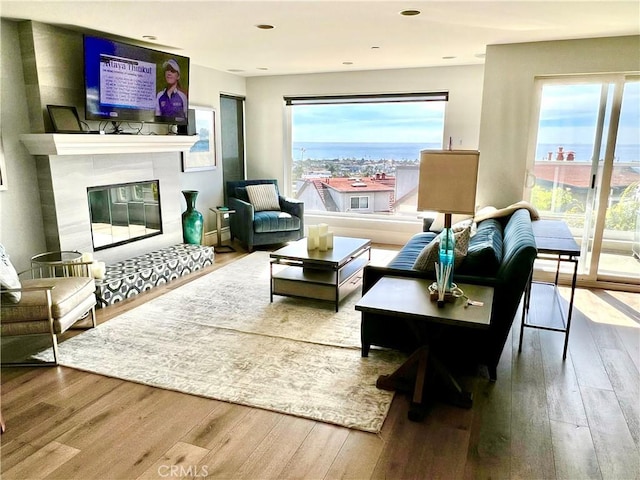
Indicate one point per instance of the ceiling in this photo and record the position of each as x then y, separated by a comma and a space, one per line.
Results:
333, 36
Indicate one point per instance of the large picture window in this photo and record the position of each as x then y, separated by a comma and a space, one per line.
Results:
361, 153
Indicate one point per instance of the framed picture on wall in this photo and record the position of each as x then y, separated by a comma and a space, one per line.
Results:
202, 155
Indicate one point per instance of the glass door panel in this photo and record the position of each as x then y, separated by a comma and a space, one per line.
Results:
620, 250
587, 170
567, 157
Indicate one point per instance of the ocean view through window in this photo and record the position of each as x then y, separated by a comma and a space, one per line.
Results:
361, 155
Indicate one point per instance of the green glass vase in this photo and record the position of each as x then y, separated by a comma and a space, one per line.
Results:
192, 220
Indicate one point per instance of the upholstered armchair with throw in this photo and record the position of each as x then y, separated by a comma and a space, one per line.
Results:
38, 306
263, 216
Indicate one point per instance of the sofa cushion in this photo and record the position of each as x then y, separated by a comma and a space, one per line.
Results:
428, 257
8, 277
485, 249
263, 197
274, 221
405, 259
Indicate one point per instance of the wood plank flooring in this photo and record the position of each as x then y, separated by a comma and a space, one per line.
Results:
543, 418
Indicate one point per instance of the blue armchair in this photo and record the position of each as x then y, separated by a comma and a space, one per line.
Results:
252, 226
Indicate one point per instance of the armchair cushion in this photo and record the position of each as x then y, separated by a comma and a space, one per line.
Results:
263, 197
241, 194
274, 221
8, 277
67, 293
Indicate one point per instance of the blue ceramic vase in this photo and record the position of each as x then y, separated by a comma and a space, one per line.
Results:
192, 220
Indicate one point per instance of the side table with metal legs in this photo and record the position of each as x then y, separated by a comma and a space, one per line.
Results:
221, 214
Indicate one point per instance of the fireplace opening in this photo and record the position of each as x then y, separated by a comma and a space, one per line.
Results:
124, 212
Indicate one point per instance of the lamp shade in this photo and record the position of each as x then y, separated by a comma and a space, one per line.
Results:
448, 181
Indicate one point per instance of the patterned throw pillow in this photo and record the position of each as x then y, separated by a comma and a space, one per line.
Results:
263, 197
8, 277
428, 257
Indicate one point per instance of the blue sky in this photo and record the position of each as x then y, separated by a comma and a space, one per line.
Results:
568, 116
414, 122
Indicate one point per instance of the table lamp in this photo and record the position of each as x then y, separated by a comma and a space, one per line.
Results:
447, 184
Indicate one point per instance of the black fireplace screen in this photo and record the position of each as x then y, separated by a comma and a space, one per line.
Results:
124, 213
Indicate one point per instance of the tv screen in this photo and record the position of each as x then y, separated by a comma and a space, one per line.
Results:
129, 83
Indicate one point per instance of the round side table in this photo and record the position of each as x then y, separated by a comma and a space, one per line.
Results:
55, 264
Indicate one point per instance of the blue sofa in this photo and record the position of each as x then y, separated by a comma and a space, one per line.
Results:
270, 227
501, 254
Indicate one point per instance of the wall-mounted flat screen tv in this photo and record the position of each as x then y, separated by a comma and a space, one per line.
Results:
126, 82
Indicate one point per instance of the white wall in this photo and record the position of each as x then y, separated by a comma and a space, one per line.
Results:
509, 74
205, 87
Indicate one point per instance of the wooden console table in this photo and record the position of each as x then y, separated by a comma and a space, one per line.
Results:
554, 241
408, 299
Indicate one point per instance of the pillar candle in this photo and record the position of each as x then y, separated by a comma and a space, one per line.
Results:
98, 270
87, 257
329, 240
322, 228
322, 242
313, 237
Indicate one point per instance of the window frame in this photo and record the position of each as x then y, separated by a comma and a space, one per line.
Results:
401, 97
359, 198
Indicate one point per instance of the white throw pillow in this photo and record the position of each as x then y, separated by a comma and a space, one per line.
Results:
9, 277
263, 197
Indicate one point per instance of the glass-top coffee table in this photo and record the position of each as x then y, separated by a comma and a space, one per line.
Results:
328, 276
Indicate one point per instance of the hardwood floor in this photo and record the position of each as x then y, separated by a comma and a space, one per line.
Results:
543, 418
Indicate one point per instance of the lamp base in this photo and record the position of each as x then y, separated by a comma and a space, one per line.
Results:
448, 298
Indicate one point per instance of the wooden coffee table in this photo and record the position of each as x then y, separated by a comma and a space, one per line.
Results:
328, 276
408, 299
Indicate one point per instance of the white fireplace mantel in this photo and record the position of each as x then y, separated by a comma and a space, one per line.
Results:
81, 144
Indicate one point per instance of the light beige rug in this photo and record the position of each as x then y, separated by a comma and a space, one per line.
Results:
220, 337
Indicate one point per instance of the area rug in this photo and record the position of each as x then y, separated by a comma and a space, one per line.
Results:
220, 337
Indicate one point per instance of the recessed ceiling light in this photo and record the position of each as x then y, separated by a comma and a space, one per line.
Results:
149, 37
263, 68
264, 26
347, 63
410, 13
480, 55
375, 48
235, 70
449, 57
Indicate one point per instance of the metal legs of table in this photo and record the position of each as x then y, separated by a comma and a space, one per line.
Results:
565, 317
220, 216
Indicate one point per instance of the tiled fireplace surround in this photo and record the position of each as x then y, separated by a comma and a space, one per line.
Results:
63, 182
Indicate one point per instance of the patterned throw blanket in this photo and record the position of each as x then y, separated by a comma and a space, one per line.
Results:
493, 212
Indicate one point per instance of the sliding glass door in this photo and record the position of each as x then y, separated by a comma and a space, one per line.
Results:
586, 169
